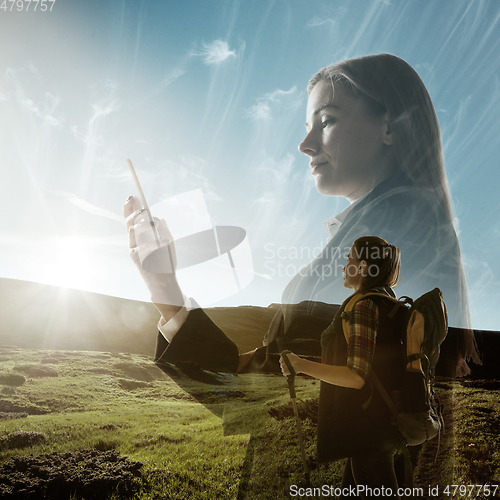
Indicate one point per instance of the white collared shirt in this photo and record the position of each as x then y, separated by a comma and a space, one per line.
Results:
172, 326
333, 224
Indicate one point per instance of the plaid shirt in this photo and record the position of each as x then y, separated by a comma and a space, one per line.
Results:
363, 328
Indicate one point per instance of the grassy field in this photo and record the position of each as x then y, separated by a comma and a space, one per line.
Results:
68, 401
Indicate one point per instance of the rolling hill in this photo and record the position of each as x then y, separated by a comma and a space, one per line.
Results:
38, 316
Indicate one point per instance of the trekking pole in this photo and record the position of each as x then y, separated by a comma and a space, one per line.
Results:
291, 387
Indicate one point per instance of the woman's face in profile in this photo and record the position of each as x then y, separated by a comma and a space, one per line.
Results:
352, 271
349, 147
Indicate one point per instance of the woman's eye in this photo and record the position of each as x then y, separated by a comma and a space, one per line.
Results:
328, 121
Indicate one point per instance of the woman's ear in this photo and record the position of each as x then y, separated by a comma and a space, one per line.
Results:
387, 137
363, 268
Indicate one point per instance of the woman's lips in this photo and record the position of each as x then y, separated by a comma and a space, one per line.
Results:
315, 165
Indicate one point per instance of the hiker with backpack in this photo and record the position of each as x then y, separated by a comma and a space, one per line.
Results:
354, 420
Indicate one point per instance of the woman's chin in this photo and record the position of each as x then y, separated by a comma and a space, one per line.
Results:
327, 188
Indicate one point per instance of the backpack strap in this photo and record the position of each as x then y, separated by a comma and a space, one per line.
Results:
346, 314
381, 389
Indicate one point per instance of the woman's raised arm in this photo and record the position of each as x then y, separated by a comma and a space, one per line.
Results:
166, 294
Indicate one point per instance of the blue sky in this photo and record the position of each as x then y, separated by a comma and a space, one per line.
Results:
211, 96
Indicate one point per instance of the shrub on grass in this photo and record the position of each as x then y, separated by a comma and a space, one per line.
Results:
21, 439
37, 370
8, 407
49, 360
12, 379
85, 474
13, 414
102, 445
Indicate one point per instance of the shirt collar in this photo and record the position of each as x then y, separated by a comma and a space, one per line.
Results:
333, 224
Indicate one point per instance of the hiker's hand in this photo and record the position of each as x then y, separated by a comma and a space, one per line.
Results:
294, 361
165, 292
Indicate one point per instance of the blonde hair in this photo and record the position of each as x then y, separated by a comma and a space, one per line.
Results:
386, 83
383, 259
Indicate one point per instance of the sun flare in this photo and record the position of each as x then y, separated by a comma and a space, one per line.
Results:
68, 263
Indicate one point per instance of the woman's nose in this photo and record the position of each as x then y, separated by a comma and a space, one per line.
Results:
309, 146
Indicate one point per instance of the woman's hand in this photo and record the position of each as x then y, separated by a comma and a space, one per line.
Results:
166, 294
336, 375
295, 361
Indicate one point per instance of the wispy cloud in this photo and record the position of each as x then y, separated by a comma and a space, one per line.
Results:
317, 21
92, 209
279, 173
262, 109
45, 111
215, 52
278, 94
172, 76
79, 136
266, 198
189, 172
118, 173
480, 275
107, 103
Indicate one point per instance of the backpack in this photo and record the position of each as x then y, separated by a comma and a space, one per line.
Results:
423, 328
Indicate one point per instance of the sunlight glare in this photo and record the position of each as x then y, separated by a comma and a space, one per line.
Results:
69, 264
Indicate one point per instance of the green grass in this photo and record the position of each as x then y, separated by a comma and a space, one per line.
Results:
180, 442
123, 402
477, 430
